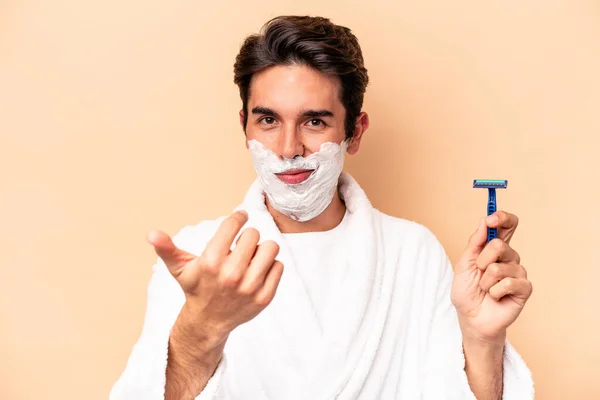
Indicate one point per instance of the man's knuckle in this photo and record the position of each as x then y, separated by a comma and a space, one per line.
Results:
210, 260
251, 234
495, 269
230, 280
517, 258
208, 269
239, 217
498, 244
263, 299
245, 290
480, 265
230, 223
234, 222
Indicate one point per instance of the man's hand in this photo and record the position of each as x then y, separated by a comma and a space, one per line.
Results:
223, 289
490, 286
489, 291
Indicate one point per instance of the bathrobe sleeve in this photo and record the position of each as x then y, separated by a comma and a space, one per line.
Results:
145, 373
444, 374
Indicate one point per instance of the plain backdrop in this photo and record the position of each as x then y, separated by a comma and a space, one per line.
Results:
120, 116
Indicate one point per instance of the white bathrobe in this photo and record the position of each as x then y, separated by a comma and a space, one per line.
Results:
389, 331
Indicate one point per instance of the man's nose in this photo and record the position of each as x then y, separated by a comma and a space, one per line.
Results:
291, 145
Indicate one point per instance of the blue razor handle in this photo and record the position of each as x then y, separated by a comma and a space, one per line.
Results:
491, 208
491, 186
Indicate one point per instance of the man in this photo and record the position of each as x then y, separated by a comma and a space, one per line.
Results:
367, 307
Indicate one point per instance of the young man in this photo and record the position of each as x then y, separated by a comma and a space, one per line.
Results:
367, 306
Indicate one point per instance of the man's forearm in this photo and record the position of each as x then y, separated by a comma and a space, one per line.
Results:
192, 360
483, 365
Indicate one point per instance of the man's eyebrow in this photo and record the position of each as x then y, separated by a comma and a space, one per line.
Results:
259, 110
264, 111
317, 113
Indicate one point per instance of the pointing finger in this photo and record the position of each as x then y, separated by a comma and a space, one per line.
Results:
505, 222
497, 250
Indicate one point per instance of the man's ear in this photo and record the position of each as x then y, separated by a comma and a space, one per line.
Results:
242, 118
242, 124
361, 126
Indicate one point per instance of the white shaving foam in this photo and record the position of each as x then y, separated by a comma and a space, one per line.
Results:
306, 200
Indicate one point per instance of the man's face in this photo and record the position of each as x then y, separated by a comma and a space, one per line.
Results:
292, 110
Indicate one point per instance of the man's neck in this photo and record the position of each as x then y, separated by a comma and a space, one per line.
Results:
327, 220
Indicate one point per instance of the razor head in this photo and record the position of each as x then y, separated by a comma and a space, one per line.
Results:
490, 183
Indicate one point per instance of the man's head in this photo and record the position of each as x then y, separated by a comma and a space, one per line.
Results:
302, 82
315, 43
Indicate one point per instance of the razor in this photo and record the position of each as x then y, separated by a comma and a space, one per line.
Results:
491, 186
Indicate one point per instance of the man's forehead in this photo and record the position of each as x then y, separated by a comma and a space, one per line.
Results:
296, 87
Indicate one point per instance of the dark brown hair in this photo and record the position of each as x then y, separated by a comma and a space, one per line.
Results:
312, 41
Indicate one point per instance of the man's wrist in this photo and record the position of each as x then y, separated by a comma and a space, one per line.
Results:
484, 357
490, 352
194, 354
194, 347
193, 358
483, 343
473, 337
196, 333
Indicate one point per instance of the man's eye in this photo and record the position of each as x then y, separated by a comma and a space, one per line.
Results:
316, 122
268, 120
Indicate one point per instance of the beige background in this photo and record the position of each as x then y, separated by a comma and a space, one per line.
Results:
120, 116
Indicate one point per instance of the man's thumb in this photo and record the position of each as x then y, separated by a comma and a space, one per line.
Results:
478, 239
174, 258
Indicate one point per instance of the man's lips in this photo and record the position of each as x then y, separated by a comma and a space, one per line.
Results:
294, 176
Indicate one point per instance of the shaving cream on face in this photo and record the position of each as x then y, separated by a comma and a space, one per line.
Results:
308, 199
